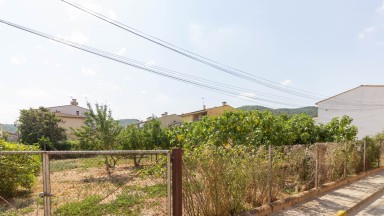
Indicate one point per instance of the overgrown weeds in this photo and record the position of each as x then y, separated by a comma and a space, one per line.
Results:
229, 180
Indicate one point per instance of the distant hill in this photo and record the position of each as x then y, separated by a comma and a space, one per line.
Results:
310, 110
9, 128
124, 122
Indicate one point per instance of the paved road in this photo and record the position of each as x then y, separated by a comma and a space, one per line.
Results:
375, 208
342, 199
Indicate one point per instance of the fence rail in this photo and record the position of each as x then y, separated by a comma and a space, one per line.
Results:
218, 181
112, 152
74, 180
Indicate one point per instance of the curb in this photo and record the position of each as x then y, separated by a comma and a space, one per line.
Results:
370, 199
302, 197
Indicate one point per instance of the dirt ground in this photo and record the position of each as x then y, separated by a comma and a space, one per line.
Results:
73, 180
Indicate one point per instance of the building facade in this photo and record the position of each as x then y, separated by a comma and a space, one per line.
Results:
72, 116
365, 104
214, 111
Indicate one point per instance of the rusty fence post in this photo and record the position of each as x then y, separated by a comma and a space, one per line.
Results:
317, 167
269, 174
46, 185
177, 180
364, 152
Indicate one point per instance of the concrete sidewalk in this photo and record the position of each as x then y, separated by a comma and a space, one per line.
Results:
342, 198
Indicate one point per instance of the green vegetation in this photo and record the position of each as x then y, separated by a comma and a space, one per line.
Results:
310, 110
40, 126
4, 135
129, 202
17, 170
260, 128
228, 180
151, 136
126, 122
153, 191
99, 132
9, 128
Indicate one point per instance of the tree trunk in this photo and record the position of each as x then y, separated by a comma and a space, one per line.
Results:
107, 166
136, 160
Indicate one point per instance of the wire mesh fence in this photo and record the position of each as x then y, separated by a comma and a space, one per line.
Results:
18, 188
222, 181
92, 183
216, 180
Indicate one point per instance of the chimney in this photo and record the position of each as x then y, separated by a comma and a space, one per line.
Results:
74, 102
224, 103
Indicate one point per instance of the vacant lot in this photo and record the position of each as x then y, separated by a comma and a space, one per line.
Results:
82, 187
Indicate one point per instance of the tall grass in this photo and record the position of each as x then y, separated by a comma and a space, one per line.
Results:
227, 181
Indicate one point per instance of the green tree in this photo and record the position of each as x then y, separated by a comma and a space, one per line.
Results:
99, 132
154, 136
17, 171
130, 138
151, 136
37, 124
4, 135
254, 128
301, 129
341, 130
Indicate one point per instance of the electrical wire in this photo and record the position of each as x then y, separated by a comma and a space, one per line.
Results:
200, 58
142, 65
212, 63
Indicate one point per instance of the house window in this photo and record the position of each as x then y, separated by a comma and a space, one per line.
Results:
77, 113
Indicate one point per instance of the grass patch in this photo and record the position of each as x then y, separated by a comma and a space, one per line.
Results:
60, 165
123, 205
158, 190
15, 212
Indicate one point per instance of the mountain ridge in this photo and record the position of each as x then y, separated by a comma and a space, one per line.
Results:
309, 110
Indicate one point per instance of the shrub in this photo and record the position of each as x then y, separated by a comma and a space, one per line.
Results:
17, 170
226, 181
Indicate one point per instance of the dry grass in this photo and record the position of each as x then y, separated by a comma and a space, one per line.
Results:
74, 180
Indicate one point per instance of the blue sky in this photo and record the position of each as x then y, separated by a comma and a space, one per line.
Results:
324, 47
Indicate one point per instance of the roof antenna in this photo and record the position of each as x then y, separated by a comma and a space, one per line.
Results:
203, 103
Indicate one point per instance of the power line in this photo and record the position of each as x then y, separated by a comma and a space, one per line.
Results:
212, 63
143, 66
202, 59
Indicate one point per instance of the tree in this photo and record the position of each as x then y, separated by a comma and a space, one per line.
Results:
38, 124
301, 129
99, 132
154, 136
4, 135
130, 138
341, 130
17, 171
151, 136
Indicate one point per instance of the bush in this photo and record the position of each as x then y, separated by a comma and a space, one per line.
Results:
17, 170
226, 181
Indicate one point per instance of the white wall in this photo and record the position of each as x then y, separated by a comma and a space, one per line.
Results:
365, 104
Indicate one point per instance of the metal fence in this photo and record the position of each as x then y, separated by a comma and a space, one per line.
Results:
219, 181
97, 183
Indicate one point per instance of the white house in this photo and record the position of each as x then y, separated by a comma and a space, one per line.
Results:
365, 104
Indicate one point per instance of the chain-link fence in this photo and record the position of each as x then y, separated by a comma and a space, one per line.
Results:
86, 183
222, 181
